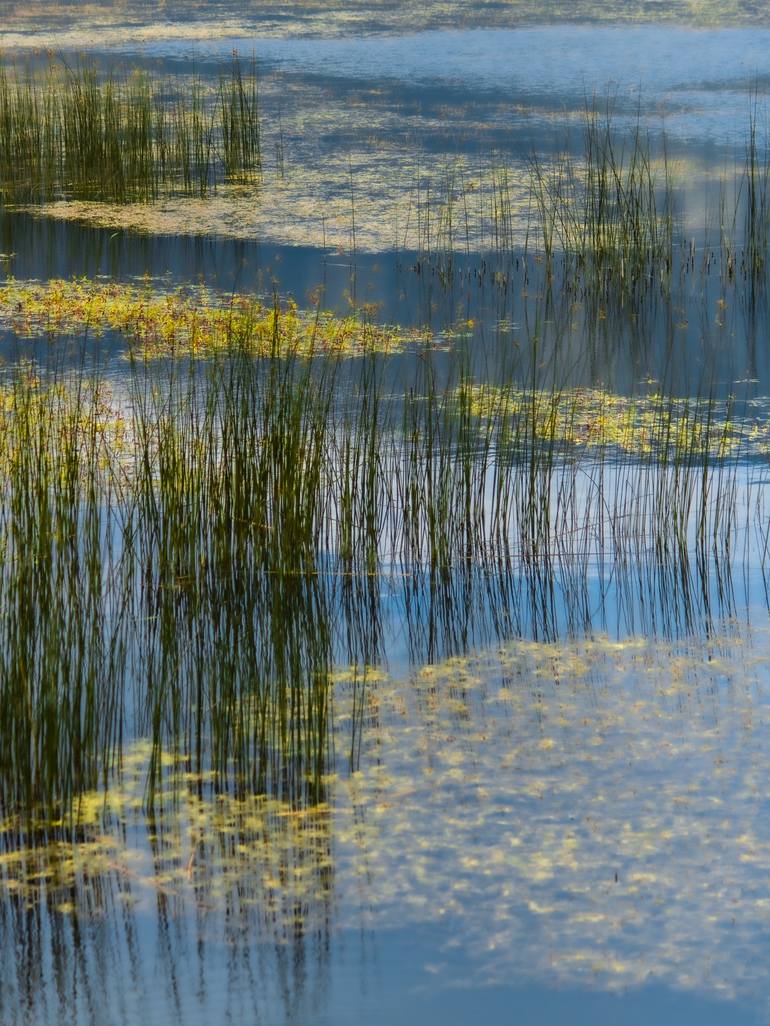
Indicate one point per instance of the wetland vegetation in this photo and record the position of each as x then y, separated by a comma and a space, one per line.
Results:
69, 132
361, 596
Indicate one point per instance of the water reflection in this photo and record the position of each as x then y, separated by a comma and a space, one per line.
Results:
573, 814
330, 775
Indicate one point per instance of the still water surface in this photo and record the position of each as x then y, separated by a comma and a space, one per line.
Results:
513, 829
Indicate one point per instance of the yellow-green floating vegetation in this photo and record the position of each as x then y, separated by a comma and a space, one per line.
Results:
594, 419
42, 25
191, 322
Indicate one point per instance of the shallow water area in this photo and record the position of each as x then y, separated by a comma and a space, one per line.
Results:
583, 816
384, 546
389, 180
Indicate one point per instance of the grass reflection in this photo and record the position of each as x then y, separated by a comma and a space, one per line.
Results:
585, 811
186, 551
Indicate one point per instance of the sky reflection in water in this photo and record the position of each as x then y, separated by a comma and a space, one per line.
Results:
582, 815
574, 830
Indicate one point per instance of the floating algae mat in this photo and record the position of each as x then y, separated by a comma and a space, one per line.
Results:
665, 427
119, 23
581, 813
189, 322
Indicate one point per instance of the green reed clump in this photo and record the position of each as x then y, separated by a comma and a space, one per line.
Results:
756, 183
239, 117
610, 211
184, 558
72, 133
229, 492
61, 630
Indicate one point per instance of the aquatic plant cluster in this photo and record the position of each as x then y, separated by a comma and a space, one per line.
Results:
429, 604
649, 425
108, 147
72, 133
189, 546
190, 322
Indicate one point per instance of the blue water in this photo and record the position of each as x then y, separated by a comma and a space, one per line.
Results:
664, 744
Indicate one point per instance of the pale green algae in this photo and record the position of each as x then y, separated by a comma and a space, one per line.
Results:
86, 25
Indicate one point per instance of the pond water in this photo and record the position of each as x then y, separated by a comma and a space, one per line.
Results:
533, 828
542, 790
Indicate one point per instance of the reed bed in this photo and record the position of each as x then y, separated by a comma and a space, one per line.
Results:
186, 557
604, 218
603, 215
611, 213
72, 133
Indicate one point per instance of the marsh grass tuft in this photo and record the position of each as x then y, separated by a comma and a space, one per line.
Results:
611, 213
186, 554
71, 133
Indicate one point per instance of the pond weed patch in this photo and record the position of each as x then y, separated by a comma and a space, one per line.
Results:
192, 322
